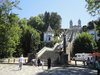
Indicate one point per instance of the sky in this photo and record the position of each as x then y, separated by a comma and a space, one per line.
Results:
67, 9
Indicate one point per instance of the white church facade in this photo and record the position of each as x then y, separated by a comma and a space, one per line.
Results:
78, 26
49, 34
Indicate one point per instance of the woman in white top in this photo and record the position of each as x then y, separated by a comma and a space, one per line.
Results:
21, 61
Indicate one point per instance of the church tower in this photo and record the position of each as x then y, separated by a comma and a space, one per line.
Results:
49, 34
79, 23
71, 24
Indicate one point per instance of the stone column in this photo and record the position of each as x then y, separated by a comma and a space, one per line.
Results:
64, 54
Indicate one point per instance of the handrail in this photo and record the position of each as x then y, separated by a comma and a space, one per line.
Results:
70, 36
46, 49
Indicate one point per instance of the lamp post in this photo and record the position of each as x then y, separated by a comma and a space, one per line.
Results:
30, 54
64, 56
64, 42
32, 39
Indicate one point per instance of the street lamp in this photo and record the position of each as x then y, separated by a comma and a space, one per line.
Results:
64, 54
64, 42
32, 39
30, 54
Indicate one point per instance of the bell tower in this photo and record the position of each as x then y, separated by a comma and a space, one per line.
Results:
79, 23
71, 24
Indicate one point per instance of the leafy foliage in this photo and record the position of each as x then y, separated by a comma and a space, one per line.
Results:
30, 38
5, 9
22, 36
90, 25
84, 43
97, 23
36, 22
42, 21
13, 32
84, 29
10, 36
93, 7
54, 20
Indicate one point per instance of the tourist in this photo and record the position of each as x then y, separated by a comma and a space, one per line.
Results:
92, 62
49, 62
83, 61
38, 62
21, 61
88, 61
42, 63
97, 65
34, 62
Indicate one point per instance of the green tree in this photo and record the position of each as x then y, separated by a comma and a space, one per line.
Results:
46, 20
55, 22
30, 38
84, 43
90, 25
42, 21
84, 29
36, 22
10, 36
23, 26
97, 23
6, 8
53, 19
9, 29
2, 40
93, 7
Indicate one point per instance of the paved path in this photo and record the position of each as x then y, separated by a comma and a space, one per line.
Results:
11, 69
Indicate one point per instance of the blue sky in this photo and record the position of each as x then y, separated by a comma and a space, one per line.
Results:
67, 9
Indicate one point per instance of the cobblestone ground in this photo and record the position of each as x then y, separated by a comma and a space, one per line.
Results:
12, 69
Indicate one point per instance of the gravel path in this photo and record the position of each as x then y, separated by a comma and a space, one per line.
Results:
11, 69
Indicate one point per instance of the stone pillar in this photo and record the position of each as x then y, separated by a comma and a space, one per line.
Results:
64, 55
64, 59
64, 43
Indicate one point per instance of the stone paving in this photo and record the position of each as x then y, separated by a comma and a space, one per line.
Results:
11, 69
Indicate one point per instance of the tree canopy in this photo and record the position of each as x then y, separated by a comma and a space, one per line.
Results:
93, 7
97, 25
90, 25
14, 31
42, 21
9, 36
84, 28
22, 36
36, 22
84, 43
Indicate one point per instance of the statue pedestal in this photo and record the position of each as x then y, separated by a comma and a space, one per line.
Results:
64, 59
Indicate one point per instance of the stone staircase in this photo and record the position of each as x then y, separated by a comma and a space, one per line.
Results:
53, 52
47, 52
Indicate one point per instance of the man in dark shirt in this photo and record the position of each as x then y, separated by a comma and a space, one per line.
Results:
49, 62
